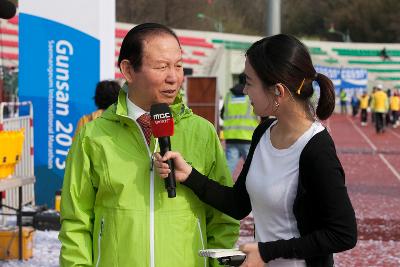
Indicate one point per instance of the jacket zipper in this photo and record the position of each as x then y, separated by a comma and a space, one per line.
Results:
99, 242
202, 240
152, 264
152, 257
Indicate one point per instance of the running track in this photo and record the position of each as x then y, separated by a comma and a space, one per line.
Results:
372, 166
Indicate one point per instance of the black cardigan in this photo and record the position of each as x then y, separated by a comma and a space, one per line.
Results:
324, 214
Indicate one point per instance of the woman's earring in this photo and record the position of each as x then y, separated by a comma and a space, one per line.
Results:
276, 105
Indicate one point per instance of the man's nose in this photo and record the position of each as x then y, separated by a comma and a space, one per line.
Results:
172, 76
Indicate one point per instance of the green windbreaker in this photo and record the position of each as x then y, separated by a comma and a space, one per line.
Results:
114, 208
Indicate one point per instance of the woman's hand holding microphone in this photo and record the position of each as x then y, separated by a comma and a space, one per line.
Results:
182, 169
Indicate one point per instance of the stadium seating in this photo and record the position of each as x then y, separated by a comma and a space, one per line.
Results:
364, 52
202, 52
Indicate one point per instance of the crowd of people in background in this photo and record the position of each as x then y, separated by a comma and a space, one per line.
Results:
384, 106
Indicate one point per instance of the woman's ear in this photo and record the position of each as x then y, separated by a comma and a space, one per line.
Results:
127, 70
279, 90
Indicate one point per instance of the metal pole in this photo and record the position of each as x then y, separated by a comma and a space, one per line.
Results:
220, 27
273, 13
348, 39
19, 222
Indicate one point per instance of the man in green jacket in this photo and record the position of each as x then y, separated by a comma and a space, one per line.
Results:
114, 209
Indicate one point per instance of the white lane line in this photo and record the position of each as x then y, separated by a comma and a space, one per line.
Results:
396, 134
363, 135
382, 157
390, 166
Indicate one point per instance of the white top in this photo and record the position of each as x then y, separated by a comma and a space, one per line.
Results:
272, 185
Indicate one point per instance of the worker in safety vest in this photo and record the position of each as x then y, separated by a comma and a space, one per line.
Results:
239, 123
343, 101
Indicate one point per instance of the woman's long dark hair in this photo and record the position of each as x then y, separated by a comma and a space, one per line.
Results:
284, 59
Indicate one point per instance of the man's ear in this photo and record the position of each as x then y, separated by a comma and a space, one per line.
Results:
127, 70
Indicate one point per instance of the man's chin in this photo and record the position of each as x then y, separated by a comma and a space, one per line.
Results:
167, 100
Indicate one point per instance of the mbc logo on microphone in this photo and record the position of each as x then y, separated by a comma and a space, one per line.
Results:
161, 118
162, 122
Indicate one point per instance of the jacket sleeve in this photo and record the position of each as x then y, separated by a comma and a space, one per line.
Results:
222, 230
337, 229
387, 104
77, 203
372, 104
234, 201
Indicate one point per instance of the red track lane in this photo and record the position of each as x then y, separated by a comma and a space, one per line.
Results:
372, 166
387, 142
370, 253
344, 134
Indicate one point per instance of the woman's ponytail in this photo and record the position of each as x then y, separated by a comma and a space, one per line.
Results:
326, 102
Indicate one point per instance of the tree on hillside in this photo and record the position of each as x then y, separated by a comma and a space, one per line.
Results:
367, 21
370, 21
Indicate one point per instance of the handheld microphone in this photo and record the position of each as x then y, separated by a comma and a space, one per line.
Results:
7, 9
162, 126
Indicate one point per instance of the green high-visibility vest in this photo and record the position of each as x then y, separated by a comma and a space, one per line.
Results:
343, 96
239, 118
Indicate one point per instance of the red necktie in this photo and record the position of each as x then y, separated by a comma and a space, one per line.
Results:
144, 122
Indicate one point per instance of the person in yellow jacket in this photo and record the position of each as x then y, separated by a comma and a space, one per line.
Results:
380, 107
105, 95
395, 108
239, 123
364, 103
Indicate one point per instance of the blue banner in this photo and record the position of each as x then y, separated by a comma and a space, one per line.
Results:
331, 73
354, 78
59, 69
350, 79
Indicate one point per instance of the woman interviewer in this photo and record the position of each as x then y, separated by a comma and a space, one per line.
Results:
292, 179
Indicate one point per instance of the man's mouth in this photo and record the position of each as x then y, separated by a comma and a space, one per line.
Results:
168, 92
